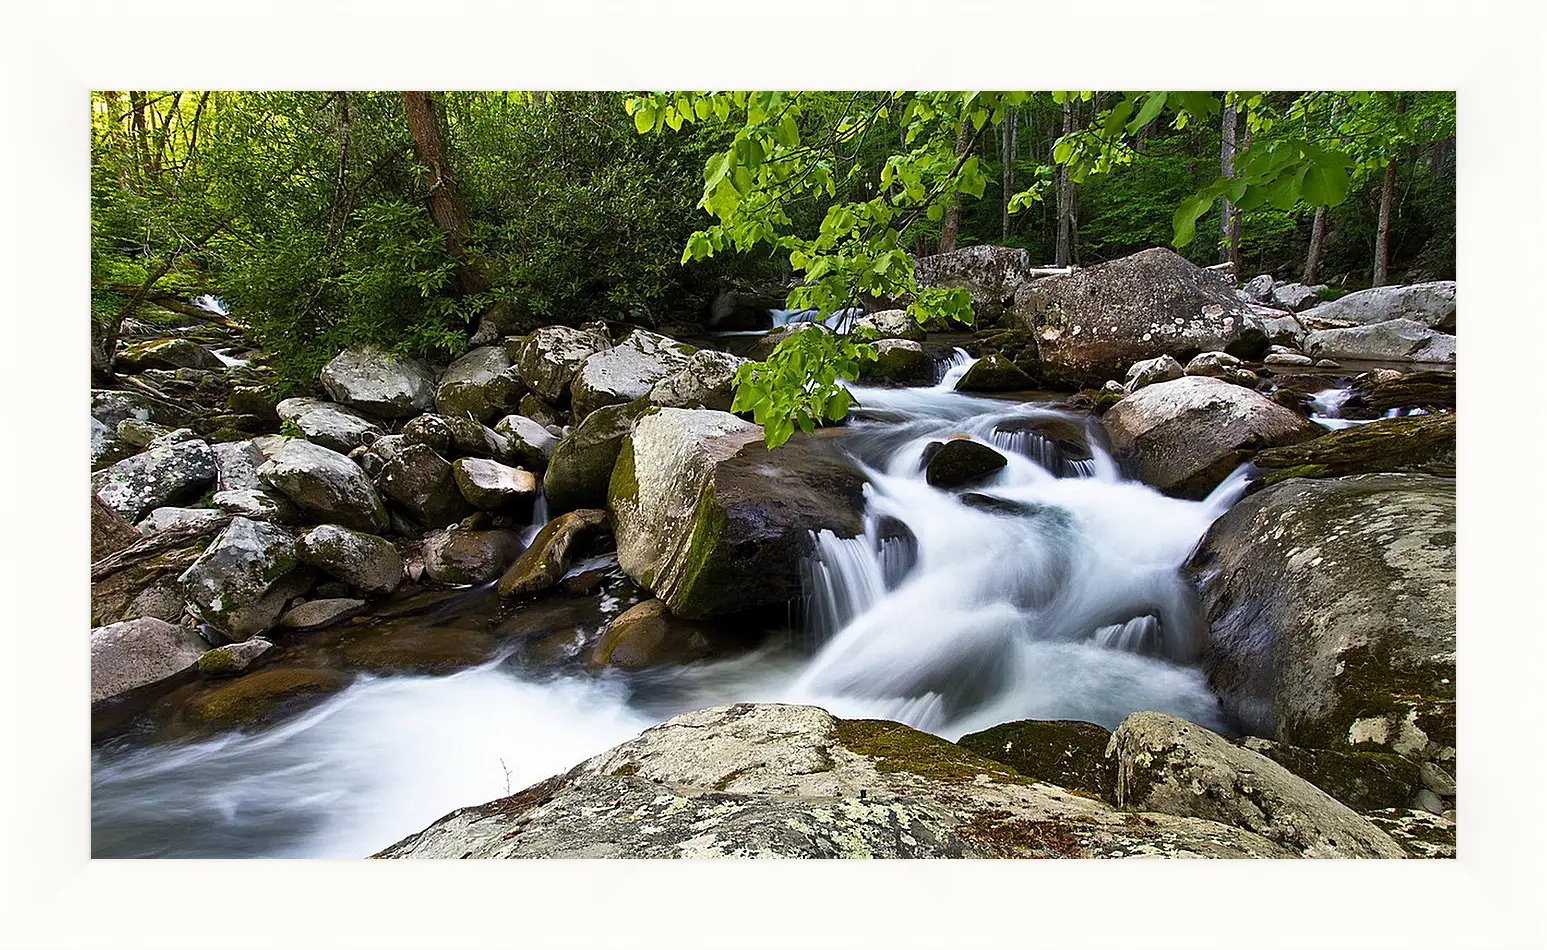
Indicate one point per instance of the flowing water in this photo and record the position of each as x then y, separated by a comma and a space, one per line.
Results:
1053, 590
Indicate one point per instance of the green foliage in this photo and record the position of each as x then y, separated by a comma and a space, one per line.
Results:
801, 382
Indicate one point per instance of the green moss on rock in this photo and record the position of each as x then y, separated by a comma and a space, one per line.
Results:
900, 748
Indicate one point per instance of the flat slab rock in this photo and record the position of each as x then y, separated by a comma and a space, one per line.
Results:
776, 781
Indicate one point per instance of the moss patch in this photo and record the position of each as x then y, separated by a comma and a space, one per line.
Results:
695, 588
261, 696
899, 748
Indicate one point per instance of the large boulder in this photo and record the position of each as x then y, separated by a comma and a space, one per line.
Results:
328, 424
161, 476
424, 484
236, 466
1432, 304
165, 354
1429, 389
135, 653
491, 486
581, 466
549, 357
326, 485
1170, 765
241, 583
713, 522
957, 463
1184, 436
990, 274
626, 371
1400, 341
257, 504
1295, 297
469, 557
392, 387
1092, 324
453, 437
1364, 781
363, 561
773, 781
706, 381
480, 384
1425, 443
530, 443
1332, 613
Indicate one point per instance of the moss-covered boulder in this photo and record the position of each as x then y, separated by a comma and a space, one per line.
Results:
365, 562
165, 354
233, 658
1421, 834
993, 374
1363, 781
325, 484
530, 443
1425, 444
369, 379
1425, 389
544, 562
329, 424
241, 583
957, 463
481, 384
1065, 753
901, 362
490, 486
260, 697
581, 465
648, 635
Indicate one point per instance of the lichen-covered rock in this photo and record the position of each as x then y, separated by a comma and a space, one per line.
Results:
1363, 781
241, 582
109, 531
324, 484
329, 424
956, 463
1170, 765
1259, 288
112, 406
258, 505
469, 557
1420, 833
712, 521
1424, 444
544, 562
1065, 753
321, 613
706, 381
769, 781
890, 325
480, 384
551, 355
1332, 612
363, 561
135, 653
424, 484
1186, 435
991, 275
236, 466
1161, 369
162, 476
1295, 297
233, 658
902, 362
1092, 324
993, 374
392, 387
581, 465
165, 354
1398, 340
491, 486
530, 443
1432, 304
626, 371
164, 518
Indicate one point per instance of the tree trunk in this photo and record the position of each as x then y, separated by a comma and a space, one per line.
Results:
1064, 252
950, 225
441, 197
1388, 188
1313, 253
1007, 160
141, 142
1229, 217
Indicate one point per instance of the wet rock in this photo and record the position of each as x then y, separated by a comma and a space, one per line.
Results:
491, 486
1332, 612
233, 658
1392, 340
542, 564
1424, 444
1065, 753
1421, 834
325, 485
258, 505
321, 613
1176, 767
1428, 389
162, 476
648, 635
791, 781
712, 521
481, 384
889, 325
1148, 372
240, 584
582, 462
424, 484
261, 697
706, 381
626, 371
329, 424
165, 354
902, 362
530, 443
1432, 304
956, 463
994, 374
109, 532
392, 387
469, 557
1363, 781
1184, 436
551, 355
135, 653
1295, 297
163, 518
363, 561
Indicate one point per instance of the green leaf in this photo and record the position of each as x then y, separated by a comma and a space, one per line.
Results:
1184, 222
1153, 103
788, 134
644, 119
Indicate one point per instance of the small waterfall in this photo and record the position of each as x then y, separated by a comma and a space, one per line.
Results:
211, 303
952, 368
1139, 635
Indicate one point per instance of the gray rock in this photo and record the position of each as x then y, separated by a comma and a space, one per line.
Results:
1148, 372
135, 653
626, 371
1287, 359
551, 355
1393, 340
363, 561
233, 658
890, 325
162, 476
1259, 288
1186, 435
1217, 364
163, 518
1432, 304
112, 406
991, 275
423, 483
1295, 297
241, 582
325, 485
1332, 612
321, 613
774, 781
141, 580
491, 486
391, 387
706, 381
1173, 766
328, 424
582, 462
530, 443
236, 466
172, 438
1260, 331
469, 557
480, 384
1437, 780
258, 505
1421, 834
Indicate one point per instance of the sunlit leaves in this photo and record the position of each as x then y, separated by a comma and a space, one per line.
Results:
800, 385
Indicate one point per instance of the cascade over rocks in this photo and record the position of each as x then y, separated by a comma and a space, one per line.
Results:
241, 583
363, 561
1092, 324
626, 371
1184, 436
1432, 304
328, 424
325, 485
1170, 765
1332, 613
165, 354
368, 379
135, 653
161, 476
1397, 340
712, 522
550, 356
480, 384
777, 781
